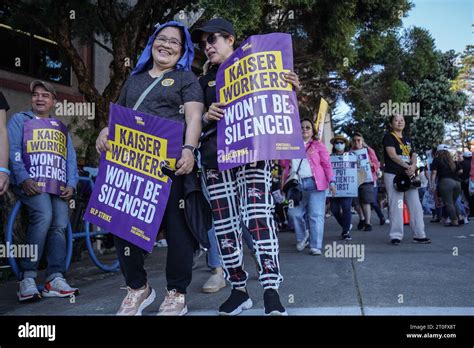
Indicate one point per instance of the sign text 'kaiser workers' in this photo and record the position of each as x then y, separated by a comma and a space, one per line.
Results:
131, 191
45, 153
261, 120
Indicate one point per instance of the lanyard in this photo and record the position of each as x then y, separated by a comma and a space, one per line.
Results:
398, 139
149, 88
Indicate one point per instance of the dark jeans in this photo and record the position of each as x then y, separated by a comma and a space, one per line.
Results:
344, 217
470, 199
181, 246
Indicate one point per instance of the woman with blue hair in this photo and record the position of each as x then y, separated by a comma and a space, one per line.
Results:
162, 84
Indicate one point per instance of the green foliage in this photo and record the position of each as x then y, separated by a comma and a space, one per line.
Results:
244, 15
413, 71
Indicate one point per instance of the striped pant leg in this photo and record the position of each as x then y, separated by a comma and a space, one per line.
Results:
224, 200
254, 183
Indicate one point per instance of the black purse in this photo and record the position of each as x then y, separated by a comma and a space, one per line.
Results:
292, 187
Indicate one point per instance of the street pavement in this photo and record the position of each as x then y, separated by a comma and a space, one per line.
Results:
410, 279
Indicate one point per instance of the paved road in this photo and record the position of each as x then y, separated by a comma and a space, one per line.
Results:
411, 279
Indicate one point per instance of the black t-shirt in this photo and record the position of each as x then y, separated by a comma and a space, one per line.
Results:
208, 147
443, 171
168, 96
3, 103
404, 151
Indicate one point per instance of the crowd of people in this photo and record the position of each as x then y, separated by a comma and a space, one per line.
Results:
237, 215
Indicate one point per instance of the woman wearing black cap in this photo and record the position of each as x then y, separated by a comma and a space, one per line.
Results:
228, 189
400, 158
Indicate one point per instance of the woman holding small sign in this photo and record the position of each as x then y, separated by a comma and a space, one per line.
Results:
345, 168
369, 165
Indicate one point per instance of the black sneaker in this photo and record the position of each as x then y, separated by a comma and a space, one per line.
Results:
346, 236
237, 301
382, 221
368, 228
395, 242
271, 301
422, 240
361, 224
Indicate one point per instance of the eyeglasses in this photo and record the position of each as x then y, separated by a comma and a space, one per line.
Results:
161, 40
211, 40
339, 142
306, 128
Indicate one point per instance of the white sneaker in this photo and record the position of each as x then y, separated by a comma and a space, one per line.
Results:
387, 221
315, 251
58, 287
136, 301
28, 291
303, 243
174, 304
466, 220
215, 282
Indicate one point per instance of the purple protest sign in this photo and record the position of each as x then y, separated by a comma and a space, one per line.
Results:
45, 153
131, 191
261, 120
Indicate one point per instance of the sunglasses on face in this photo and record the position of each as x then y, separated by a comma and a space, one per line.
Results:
211, 40
339, 142
161, 40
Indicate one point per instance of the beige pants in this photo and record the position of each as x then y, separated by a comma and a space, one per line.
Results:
395, 201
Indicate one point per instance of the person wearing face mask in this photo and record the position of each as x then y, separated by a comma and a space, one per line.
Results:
400, 158
233, 209
341, 206
316, 176
176, 96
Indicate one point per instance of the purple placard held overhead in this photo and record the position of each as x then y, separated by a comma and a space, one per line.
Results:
261, 119
131, 191
45, 153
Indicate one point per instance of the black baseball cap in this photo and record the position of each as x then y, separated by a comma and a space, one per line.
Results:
213, 26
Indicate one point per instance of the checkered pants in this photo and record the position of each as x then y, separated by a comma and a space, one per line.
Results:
241, 198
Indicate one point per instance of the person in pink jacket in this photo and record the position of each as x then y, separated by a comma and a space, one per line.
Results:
316, 176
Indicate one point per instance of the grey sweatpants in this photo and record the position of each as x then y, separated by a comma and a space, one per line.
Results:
395, 202
450, 190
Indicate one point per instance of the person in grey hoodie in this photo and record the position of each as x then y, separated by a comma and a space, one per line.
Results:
47, 213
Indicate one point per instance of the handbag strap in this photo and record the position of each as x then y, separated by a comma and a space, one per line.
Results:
148, 89
305, 151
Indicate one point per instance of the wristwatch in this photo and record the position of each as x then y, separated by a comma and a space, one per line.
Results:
191, 148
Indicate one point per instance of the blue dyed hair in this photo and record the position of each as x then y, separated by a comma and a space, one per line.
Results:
145, 62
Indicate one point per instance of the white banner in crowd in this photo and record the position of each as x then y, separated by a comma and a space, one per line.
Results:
345, 175
363, 162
